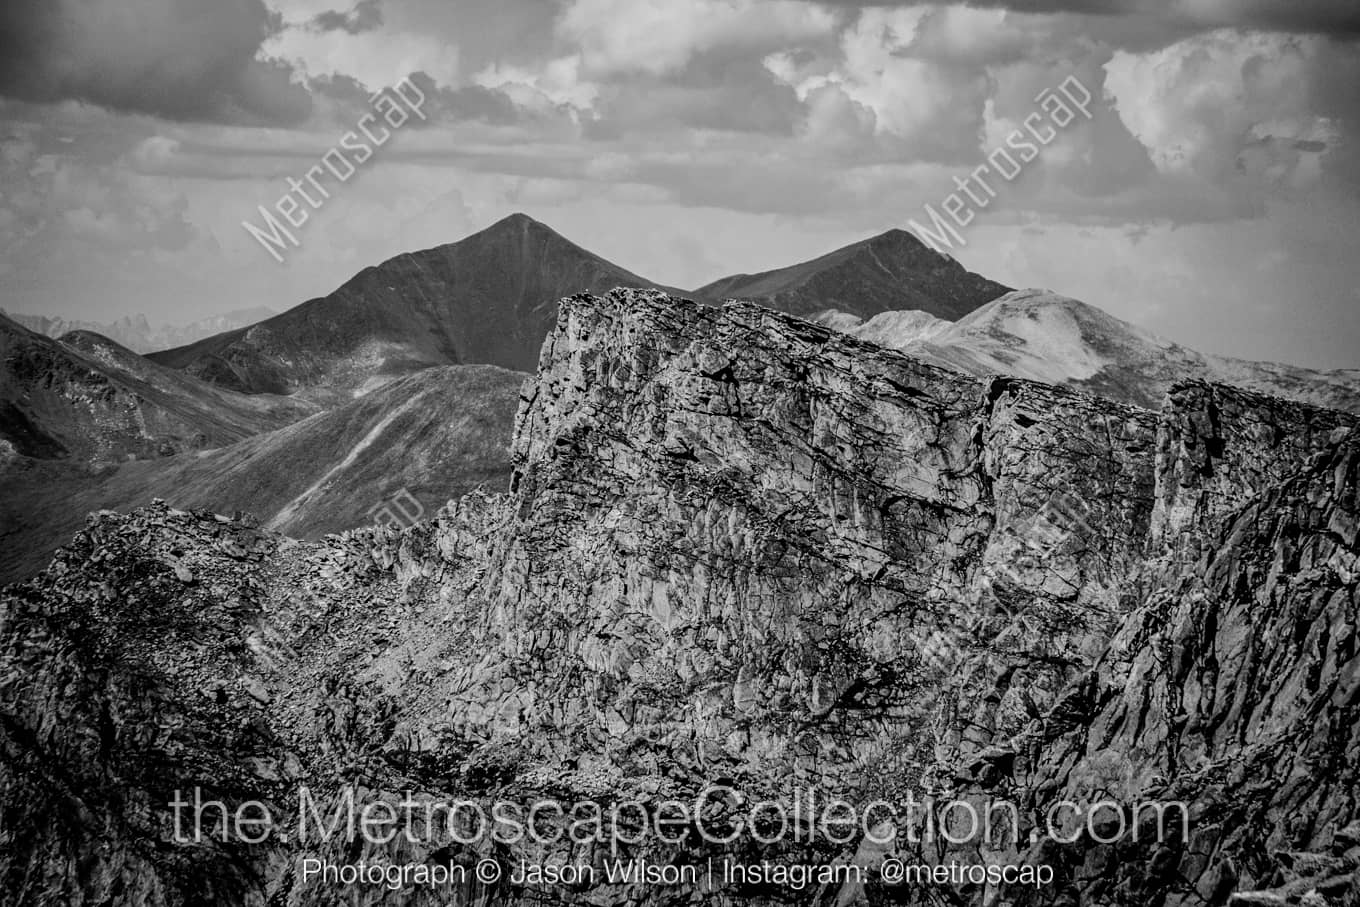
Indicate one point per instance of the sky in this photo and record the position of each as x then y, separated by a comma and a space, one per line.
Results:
1212, 195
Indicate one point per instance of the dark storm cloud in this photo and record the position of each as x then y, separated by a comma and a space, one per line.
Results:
1338, 18
366, 16
192, 60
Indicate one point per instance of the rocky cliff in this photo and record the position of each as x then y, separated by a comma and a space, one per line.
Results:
736, 548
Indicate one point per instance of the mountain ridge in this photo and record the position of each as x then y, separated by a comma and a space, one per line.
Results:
889, 271
89, 398
137, 334
424, 438
730, 542
488, 298
1044, 336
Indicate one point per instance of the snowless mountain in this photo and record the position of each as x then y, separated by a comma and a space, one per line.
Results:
409, 446
490, 298
88, 399
888, 272
1040, 335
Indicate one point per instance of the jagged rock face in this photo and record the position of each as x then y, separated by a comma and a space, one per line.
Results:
754, 500
1219, 447
727, 537
1234, 687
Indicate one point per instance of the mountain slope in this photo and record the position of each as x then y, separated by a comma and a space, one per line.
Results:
891, 329
891, 271
731, 544
490, 298
411, 445
86, 398
1042, 336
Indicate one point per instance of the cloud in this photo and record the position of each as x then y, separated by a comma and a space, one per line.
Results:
52, 198
930, 109
179, 59
659, 36
1337, 18
364, 17
1235, 110
738, 95
377, 57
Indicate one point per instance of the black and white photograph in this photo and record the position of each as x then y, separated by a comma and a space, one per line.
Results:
679, 453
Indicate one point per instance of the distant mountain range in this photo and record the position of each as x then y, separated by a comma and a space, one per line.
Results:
138, 334
407, 376
492, 298
1043, 336
424, 438
88, 399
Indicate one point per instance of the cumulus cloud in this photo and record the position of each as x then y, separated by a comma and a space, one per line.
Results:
180, 59
1230, 108
52, 197
377, 57
365, 16
659, 36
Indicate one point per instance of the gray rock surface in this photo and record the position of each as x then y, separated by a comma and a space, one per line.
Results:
736, 547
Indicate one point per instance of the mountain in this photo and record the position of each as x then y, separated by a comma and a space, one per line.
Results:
744, 561
490, 298
88, 399
891, 329
891, 271
407, 447
1040, 335
138, 335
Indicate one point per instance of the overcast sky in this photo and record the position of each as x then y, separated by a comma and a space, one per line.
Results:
1213, 196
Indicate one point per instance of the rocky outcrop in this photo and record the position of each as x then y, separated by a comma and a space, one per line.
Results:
1218, 447
1235, 688
739, 548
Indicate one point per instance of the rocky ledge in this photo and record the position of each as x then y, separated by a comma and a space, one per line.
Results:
737, 548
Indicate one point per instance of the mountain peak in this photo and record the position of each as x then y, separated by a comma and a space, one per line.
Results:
518, 221
892, 271
515, 219
489, 298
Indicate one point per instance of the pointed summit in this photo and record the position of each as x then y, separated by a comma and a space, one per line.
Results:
490, 298
887, 272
